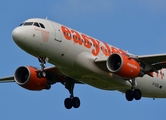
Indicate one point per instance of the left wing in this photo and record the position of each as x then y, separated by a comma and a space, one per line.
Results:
158, 61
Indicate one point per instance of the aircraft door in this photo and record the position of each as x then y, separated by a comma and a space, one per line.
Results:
58, 35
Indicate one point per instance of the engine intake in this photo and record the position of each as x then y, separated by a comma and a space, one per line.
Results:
26, 77
123, 66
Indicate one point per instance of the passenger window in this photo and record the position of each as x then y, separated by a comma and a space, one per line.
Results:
36, 24
28, 23
41, 25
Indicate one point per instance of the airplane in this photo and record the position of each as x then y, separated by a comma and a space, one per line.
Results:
78, 58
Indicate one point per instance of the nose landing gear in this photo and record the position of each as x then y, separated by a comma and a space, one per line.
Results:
41, 73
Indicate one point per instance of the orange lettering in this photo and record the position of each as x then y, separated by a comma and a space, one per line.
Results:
66, 32
122, 52
86, 41
157, 75
76, 37
162, 75
106, 50
114, 50
96, 45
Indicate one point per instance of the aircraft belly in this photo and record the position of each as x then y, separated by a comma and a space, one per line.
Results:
101, 83
152, 87
87, 72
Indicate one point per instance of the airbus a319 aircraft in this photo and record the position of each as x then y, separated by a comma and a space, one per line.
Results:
78, 58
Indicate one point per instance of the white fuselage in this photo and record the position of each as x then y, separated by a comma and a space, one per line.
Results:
75, 57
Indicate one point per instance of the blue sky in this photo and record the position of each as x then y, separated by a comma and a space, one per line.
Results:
136, 26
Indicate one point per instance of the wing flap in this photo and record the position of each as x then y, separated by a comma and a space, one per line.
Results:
159, 65
157, 61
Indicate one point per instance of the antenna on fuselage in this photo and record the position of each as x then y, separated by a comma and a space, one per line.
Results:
46, 18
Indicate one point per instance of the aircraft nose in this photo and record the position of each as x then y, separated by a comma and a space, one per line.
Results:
16, 35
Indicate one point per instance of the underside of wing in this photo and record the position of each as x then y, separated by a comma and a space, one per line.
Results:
153, 58
57, 74
158, 61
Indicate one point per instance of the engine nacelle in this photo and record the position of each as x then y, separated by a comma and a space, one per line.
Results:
26, 77
123, 66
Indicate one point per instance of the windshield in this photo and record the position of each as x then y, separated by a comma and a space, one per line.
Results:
40, 25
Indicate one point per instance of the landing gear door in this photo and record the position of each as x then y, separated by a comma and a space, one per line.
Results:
58, 35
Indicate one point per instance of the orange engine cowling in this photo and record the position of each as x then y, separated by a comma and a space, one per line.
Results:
123, 66
26, 77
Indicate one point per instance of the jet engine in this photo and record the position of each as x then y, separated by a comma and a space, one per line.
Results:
26, 77
123, 66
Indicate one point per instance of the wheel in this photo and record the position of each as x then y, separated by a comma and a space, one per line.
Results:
76, 102
68, 103
137, 94
129, 95
41, 74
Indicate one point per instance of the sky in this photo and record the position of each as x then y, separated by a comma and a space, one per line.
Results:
136, 26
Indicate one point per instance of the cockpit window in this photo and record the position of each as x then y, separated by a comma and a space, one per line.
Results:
36, 24
28, 23
41, 25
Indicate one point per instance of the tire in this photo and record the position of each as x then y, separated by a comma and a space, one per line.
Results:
68, 103
137, 94
43, 74
39, 74
76, 102
129, 95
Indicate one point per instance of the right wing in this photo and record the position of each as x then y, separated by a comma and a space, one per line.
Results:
53, 74
7, 79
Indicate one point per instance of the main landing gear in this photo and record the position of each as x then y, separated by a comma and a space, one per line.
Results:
71, 101
133, 93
